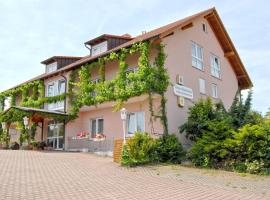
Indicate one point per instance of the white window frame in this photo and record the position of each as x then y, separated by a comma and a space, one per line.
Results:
215, 67
204, 25
202, 86
51, 67
97, 126
135, 123
56, 91
99, 48
196, 61
132, 70
95, 81
214, 90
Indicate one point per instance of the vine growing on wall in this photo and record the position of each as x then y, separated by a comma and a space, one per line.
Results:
82, 91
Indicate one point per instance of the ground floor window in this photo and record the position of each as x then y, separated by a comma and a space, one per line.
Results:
55, 137
96, 126
135, 122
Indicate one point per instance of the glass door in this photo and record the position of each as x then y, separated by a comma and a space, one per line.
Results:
56, 135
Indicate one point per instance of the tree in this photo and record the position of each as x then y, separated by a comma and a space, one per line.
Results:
242, 113
200, 116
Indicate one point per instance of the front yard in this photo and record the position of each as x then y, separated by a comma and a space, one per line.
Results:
63, 175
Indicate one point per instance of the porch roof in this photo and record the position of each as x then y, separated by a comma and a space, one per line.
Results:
36, 115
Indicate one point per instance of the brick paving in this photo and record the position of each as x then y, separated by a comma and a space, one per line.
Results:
61, 175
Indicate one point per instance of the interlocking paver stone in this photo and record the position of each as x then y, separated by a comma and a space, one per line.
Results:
62, 175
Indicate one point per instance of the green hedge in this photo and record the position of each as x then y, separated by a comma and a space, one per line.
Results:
142, 149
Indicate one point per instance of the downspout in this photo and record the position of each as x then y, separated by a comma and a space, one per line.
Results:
88, 48
65, 110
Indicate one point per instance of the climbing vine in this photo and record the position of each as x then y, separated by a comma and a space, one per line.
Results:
82, 91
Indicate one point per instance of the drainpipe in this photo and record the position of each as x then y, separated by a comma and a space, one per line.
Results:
88, 47
65, 110
65, 101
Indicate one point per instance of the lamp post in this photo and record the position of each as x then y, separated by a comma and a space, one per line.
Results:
3, 125
124, 119
6, 138
26, 122
26, 125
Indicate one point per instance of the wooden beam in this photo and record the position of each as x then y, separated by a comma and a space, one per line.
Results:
189, 25
229, 54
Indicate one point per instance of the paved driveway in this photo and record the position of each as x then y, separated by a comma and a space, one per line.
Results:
51, 175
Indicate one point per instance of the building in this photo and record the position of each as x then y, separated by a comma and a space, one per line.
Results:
201, 61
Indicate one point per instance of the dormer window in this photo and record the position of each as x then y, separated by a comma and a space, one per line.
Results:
51, 67
99, 48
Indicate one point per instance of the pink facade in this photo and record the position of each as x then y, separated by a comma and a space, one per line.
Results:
180, 52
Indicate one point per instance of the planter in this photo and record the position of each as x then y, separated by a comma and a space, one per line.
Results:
98, 139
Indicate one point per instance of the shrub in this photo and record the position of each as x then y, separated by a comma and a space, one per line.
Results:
140, 149
200, 115
251, 145
210, 150
169, 149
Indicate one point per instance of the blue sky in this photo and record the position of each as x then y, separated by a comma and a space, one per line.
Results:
33, 30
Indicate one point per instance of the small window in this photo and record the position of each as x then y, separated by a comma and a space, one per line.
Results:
202, 86
214, 90
215, 66
51, 67
204, 27
99, 48
132, 70
135, 123
97, 126
197, 56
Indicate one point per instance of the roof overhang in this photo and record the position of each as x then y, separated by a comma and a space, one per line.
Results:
36, 115
216, 24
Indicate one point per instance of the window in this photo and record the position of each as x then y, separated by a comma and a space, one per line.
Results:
204, 27
135, 122
95, 81
99, 48
214, 90
202, 86
51, 67
97, 126
132, 70
53, 89
197, 56
61, 87
215, 66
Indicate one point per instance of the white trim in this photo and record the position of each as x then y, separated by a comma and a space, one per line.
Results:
196, 61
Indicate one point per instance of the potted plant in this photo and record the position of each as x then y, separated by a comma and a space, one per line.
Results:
99, 137
41, 145
34, 144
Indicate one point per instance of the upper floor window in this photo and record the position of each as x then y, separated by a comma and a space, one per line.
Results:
56, 88
132, 70
197, 56
204, 27
214, 90
215, 66
95, 81
51, 67
99, 48
202, 86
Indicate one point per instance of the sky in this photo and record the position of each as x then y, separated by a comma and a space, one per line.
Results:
34, 30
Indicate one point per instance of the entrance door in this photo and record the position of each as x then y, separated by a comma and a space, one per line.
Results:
56, 135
